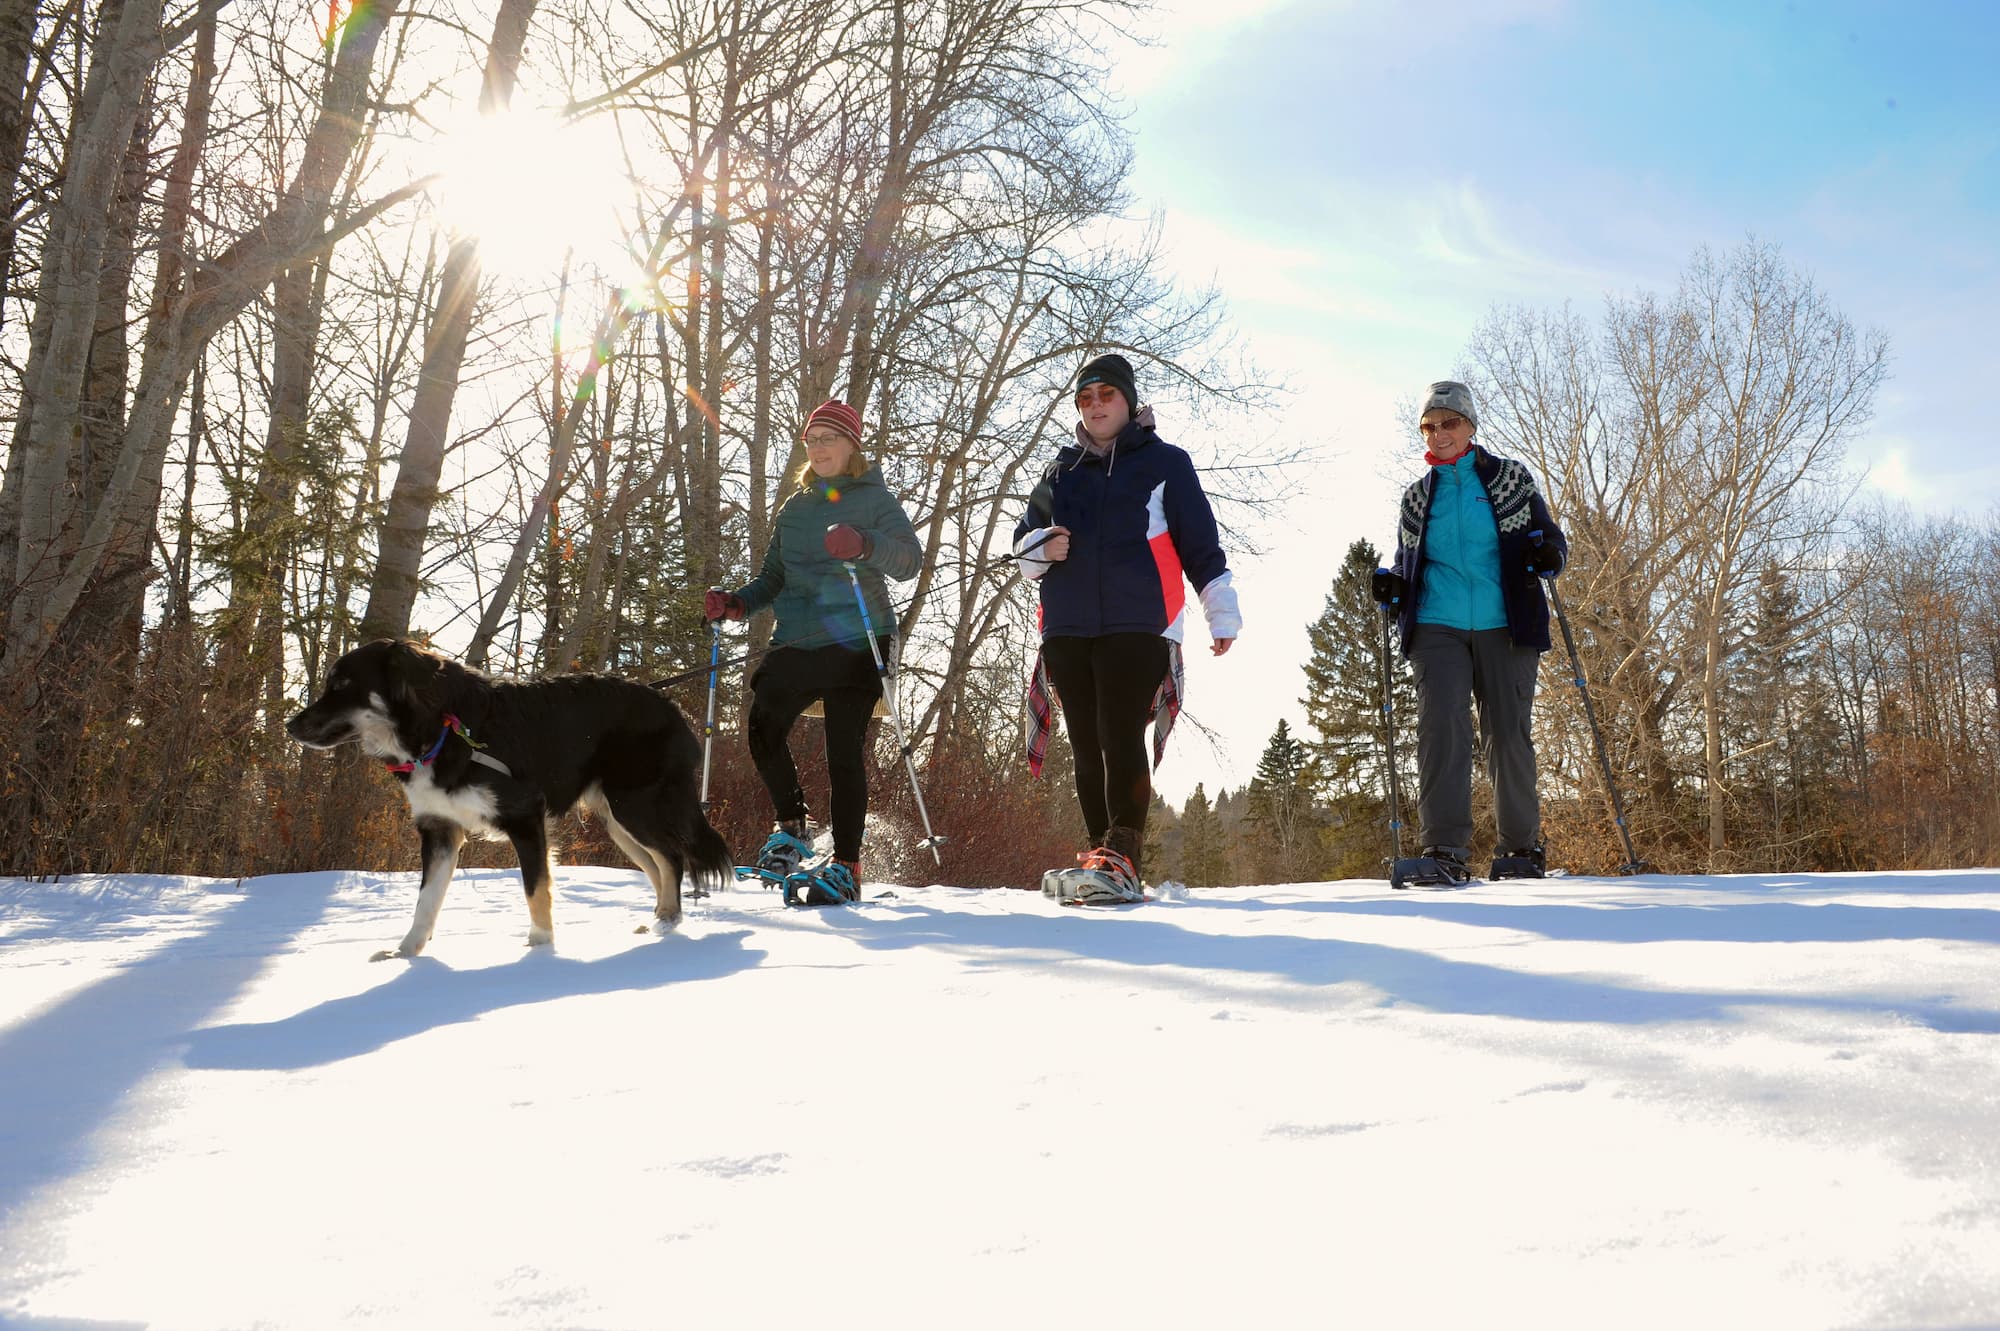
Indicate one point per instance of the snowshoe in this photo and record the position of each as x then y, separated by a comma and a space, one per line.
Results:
1529, 863
783, 853
829, 884
1102, 877
1436, 867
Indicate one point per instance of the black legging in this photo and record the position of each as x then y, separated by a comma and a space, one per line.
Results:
1106, 686
846, 681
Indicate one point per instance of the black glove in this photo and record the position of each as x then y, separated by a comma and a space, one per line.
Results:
1388, 587
1544, 559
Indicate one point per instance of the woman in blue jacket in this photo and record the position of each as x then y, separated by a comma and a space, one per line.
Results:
1116, 523
1473, 540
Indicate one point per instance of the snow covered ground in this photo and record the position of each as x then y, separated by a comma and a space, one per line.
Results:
1761, 1102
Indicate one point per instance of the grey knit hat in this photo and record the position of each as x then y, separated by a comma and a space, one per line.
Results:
1447, 395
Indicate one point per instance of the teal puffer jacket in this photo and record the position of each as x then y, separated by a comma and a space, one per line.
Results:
808, 587
1461, 552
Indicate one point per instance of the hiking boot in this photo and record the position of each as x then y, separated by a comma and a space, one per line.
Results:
785, 850
1106, 874
1530, 862
1450, 859
834, 883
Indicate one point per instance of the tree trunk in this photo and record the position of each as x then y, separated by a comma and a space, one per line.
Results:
47, 513
48, 589
392, 592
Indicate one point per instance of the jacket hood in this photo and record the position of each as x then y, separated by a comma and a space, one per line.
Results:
1137, 433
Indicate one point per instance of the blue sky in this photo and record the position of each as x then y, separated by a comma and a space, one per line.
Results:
1366, 181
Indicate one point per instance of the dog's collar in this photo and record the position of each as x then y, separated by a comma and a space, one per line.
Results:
451, 723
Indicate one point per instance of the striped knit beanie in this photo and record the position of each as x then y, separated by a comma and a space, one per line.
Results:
835, 415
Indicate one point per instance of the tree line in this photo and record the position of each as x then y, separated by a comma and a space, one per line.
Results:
268, 400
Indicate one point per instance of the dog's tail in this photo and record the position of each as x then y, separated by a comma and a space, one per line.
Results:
709, 860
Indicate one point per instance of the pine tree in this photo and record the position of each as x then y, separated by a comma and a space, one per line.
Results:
1153, 852
1783, 738
1204, 857
1280, 810
1343, 705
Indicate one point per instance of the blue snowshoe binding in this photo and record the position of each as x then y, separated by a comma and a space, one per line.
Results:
829, 884
784, 851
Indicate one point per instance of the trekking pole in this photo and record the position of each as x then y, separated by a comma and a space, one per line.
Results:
1389, 729
1633, 864
708, 726
931, 838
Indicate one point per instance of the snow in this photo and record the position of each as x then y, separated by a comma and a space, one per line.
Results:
1677, 1102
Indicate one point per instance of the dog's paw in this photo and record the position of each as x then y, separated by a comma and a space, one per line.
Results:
395, 954
662, 926
540, 937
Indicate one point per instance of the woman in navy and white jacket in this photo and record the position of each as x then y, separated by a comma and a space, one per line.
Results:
1116, 524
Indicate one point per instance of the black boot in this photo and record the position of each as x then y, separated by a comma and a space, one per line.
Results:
1529, 862
1129, 842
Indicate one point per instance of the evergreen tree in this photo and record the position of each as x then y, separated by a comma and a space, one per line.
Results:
1783, 737
1279, 809
1154, 851
1343, 705
1204, 855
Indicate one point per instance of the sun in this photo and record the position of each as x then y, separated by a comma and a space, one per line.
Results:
533, 190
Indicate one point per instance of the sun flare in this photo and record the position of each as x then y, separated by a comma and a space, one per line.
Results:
532, 189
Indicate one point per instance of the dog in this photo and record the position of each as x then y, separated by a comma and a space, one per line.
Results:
483, 757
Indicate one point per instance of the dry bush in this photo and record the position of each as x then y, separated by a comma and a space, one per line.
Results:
1000, 828
168, 776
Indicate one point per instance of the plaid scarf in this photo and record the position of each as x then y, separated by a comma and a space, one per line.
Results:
1042, 703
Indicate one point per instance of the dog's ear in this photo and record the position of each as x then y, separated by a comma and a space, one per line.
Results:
411, 668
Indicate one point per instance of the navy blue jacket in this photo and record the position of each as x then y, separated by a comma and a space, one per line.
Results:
1138, 519
1518, 511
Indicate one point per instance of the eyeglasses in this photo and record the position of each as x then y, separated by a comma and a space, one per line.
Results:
1432, 427
1096, 393
826, 440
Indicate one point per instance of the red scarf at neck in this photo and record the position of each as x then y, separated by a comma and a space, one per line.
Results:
1437, 461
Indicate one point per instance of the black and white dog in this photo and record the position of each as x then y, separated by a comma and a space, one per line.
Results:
476, 755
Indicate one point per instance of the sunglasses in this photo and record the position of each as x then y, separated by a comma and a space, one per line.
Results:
1432, 427
1096, 393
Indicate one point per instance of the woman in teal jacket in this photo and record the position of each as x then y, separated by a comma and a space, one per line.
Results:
1474, 540
841, 514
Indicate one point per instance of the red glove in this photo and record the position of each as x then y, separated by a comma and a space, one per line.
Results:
719, 604
845, 543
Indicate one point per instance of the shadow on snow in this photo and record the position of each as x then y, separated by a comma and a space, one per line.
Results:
1149, 937
427, 994
68, 1069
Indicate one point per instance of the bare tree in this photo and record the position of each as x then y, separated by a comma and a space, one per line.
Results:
1694, 451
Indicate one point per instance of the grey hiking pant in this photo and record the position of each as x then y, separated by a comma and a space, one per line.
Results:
1453, 669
